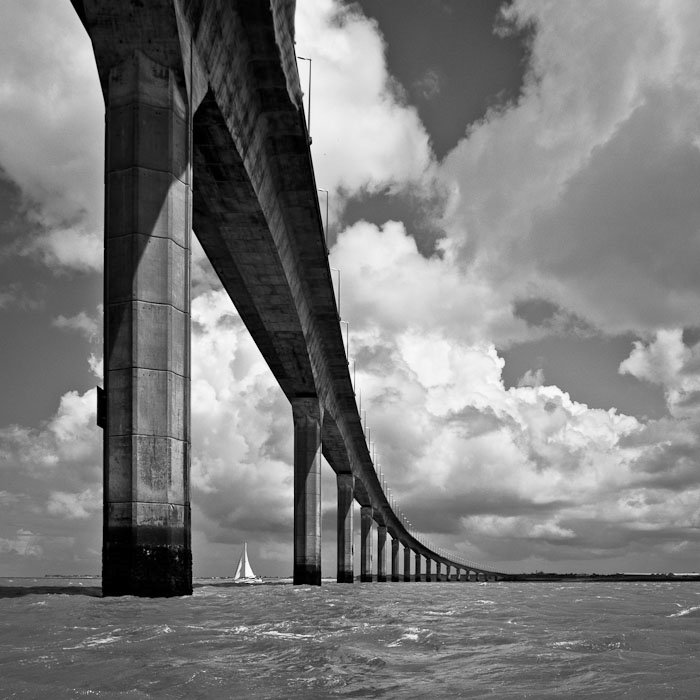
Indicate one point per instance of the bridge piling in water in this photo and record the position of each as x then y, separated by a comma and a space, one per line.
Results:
394, 558
381, 552
345, 528
406, 563
417, 566
147, 538
366, 520
308, 418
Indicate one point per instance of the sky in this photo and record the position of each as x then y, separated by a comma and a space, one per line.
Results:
514, 212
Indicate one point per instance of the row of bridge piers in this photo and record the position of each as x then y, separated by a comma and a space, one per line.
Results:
393, 557
391, 536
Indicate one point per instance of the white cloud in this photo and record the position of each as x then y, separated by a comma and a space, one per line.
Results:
365, 136
26, 544
78, 506
51, 143
69, 437
669, 362
532, 378
83, 323
582, 192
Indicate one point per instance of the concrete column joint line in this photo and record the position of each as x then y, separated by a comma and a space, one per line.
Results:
150, 369
151, 435
118, 171
149, 235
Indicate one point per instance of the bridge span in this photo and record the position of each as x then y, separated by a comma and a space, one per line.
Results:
205, 132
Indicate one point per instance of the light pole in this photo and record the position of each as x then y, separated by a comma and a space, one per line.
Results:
308, 116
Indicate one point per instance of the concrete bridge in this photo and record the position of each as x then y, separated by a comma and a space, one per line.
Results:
205, 132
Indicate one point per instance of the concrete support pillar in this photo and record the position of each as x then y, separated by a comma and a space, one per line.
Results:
438, 568
308, 418
417, 566
394, 559
346, 484
366, 520
428, 567
448, 573
406, 564
148, 213
381, 552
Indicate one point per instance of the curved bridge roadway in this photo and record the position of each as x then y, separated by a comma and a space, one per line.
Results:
205, 131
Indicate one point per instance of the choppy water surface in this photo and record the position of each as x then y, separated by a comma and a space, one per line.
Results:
400, 640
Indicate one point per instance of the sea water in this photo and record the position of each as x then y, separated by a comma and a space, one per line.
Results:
60, 639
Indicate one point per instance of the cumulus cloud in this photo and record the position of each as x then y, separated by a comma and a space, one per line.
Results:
532, 378
365, 136
77, 506
51, 143
667, 361
25, 544
581, 191
241, 466
83, 323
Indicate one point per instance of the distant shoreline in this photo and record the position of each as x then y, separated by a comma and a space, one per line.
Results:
550, 578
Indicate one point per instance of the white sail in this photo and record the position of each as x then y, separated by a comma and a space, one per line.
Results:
244, 570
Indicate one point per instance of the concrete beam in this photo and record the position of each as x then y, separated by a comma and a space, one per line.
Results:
147, 538
308, 418
345, 528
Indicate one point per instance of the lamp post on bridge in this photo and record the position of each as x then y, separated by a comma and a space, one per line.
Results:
308, 116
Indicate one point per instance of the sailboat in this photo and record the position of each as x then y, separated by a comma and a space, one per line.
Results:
244, 571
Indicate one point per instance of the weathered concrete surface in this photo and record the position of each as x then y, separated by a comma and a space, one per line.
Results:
308, 418
345, 528
366, 521
381, 552
147, 364
394, 559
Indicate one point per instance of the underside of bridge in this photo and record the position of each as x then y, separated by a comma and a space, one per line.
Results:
205, 132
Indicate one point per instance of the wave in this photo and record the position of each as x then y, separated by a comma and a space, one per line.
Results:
685, 611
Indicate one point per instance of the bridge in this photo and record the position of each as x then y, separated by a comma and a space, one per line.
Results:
205, 132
